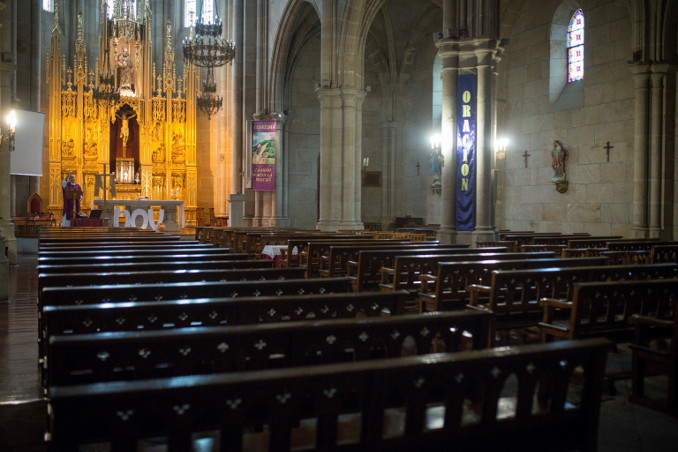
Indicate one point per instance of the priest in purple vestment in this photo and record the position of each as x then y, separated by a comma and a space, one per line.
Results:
68, 187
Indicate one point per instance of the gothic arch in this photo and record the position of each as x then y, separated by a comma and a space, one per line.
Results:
287, 46
359, 16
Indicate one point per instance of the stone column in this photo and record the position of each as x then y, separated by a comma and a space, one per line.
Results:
641, 79
448, 220
330, 159
352, 100
389, 138
484, 133
655, 168
7, 72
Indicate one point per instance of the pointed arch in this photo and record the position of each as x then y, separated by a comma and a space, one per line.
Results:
293, 29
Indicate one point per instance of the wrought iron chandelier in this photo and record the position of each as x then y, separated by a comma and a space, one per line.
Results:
105, 91
207, 49
209, 101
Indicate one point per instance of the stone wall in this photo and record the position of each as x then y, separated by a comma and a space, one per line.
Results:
584, 116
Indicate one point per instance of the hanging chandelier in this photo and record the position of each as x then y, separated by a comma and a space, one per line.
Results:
207, 49
209, 102
105, 92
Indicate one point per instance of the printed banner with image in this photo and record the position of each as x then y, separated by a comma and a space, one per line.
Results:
264, 153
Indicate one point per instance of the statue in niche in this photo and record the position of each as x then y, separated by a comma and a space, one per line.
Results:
90, 144
437, 163
159, 153
558, 160
68, 148
157, 131
126, 70
178, 148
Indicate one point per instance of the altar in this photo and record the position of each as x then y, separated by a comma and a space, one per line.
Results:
171, 213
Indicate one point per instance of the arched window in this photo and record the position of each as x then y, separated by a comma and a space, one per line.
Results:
48, 5
191, 12
575, 47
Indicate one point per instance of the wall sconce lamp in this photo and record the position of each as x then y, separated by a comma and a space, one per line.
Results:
9, 134
501, 146
366, 163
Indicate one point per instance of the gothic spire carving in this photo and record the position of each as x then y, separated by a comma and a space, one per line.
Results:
80, 58
168, 72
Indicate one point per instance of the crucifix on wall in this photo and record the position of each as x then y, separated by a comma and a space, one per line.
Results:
526, 155
607, 148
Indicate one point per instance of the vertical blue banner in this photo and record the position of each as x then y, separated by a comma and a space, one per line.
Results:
466, 153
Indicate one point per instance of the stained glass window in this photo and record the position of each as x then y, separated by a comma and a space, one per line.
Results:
191, 13
575, 47
48, 5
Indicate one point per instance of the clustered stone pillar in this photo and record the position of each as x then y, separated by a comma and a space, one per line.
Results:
7, 71
465, 48
340, 158
641, 79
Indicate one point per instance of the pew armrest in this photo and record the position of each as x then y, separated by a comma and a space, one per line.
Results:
551, 305
387, 275
428, 282
475, 292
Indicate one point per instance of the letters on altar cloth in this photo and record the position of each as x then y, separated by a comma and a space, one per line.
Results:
131, 220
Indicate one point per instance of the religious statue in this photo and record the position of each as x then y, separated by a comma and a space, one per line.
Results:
159, 153
437, 163
126, 69
68, 148
558, 159
178, 148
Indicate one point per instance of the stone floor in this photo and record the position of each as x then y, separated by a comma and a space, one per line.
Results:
624, 427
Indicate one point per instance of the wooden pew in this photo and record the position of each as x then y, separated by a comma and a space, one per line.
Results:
335, 262
654, 350
129, 245
513, 295
447, 288
150, 265
109, 238
310, 254
170, 314
664, 253
166, 276
147, 251
176, 291
366, 271
132, 257
203, 312
407, 271
410, 403
602, 309
89, 358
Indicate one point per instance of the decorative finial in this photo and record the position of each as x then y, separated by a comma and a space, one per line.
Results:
56, 14
79, 26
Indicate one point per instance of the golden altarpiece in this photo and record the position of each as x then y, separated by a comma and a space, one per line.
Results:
145, 134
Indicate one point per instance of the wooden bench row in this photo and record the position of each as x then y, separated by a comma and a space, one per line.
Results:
133, 355
462, 400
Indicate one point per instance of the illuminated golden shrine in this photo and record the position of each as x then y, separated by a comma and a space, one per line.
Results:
145, 132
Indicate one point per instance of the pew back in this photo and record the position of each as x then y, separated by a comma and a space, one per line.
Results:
449, 400
88, 358
603, 308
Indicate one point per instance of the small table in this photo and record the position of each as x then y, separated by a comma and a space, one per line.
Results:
273, 252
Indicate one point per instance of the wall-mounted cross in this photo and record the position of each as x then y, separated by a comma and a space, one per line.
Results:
526, 156
607, 148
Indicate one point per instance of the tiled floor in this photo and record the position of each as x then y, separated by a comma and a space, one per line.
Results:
624, 427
